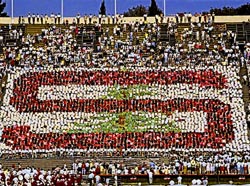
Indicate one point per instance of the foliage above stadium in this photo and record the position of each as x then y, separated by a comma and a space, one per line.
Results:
2, 6
153, 10
141, 10
241, 10
102, 8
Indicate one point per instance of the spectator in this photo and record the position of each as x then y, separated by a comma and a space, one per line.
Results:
29, 18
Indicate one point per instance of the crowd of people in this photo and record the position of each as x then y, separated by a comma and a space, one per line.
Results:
55, 18
187, 96
197, 132
61, 48
93, 171
100, 173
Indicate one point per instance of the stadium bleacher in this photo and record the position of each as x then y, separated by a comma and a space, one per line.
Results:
167, 91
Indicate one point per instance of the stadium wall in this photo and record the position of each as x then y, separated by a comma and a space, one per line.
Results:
218, 19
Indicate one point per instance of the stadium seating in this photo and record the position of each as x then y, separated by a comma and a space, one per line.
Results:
129, 92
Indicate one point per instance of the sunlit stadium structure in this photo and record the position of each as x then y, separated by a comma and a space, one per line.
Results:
143, 89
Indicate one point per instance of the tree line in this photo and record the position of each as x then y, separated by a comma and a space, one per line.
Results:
241, 10
137, 11
153, 10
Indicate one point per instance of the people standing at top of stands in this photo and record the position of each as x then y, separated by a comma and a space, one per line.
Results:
145, 17
85, 18
205, 17
37, 18
19, 20
108, 19
118, 18
29, 18
58, 18
100, 18
162, 18
90, 18
185, 18
177, 18
181, 15
33, 18
104, 19
213, 17
78, 17
200, 17
46, 18
196, 19
52, 18
23, 20
189, 17
41, 18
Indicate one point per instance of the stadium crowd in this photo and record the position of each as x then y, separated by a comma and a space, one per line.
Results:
197, 45
55, 18
56, 88
91, 171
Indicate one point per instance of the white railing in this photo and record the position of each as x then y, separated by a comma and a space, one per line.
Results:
218, 19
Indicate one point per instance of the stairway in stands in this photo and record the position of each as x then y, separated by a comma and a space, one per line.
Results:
241, 38
85, 40
125, 35
50, 163
238, 28
7, 39
218, 28
35, 29
232, 27
245, 90
247, 31
165, 37
46, 164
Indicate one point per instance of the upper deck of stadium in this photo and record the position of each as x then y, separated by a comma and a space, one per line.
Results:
38, 110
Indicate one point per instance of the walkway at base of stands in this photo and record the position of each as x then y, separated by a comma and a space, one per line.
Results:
48, 164
186, 179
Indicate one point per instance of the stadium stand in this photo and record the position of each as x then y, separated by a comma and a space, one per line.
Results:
175, 92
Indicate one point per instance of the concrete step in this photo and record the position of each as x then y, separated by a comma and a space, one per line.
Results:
46, 164
142, 184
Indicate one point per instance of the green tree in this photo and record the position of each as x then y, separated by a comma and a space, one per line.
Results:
103, 8
244, 9
2, 6
154, 9
137, 11
241, 10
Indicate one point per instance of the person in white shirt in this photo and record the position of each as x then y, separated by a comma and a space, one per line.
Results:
58, 17
78, 17
189, 168
91, 178
150, 176
97, 179
179, 180
29, 18
52, 18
